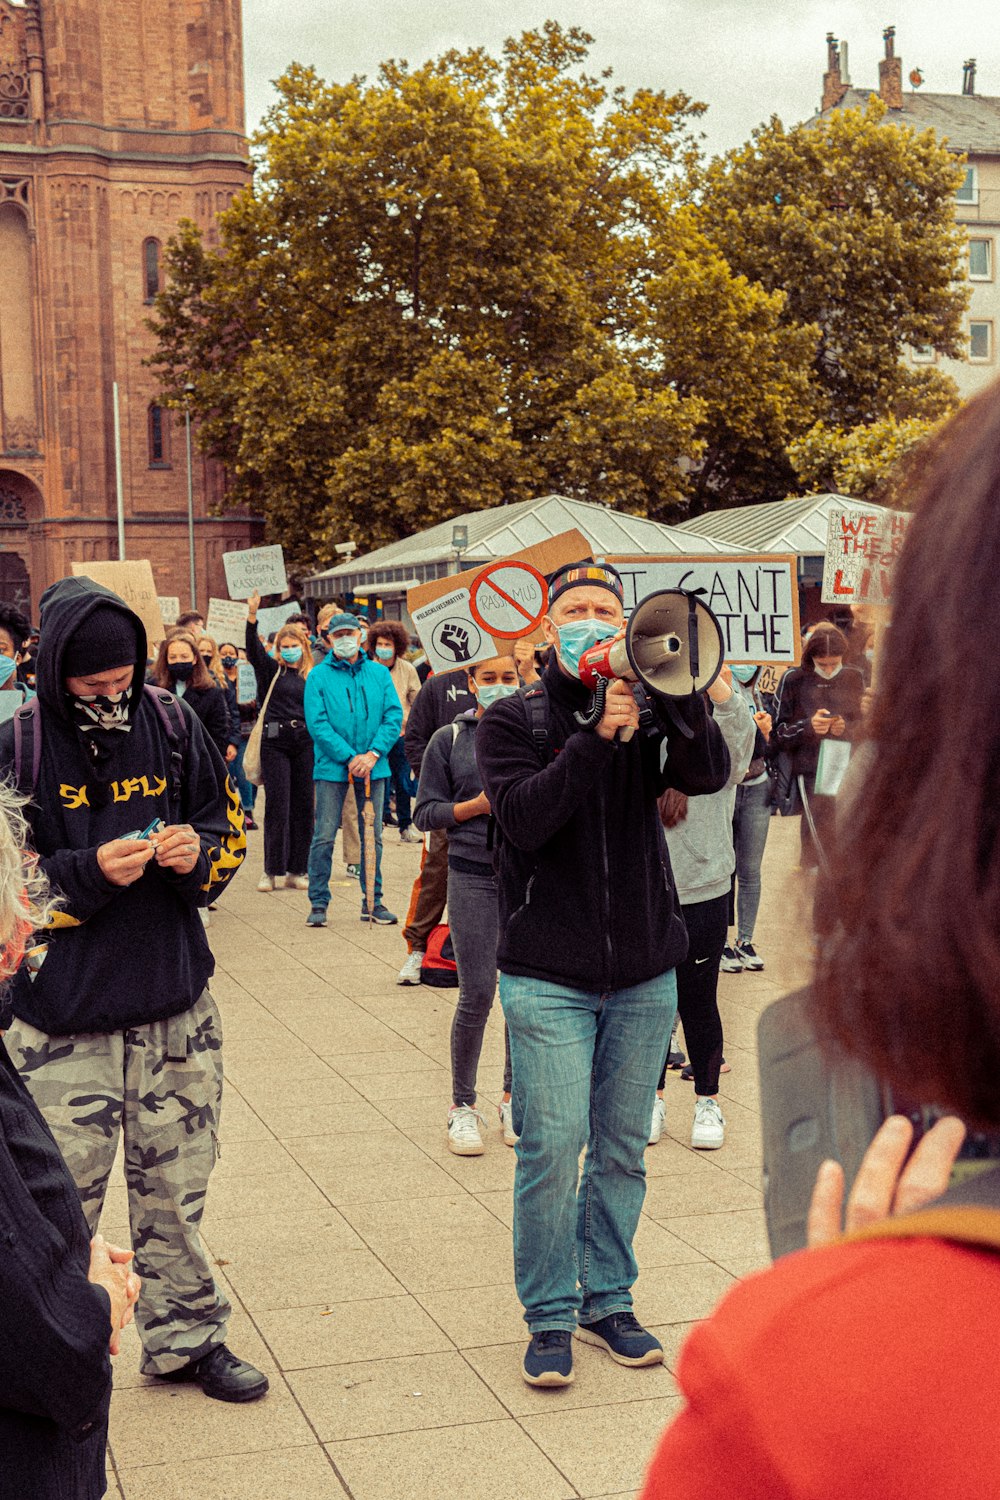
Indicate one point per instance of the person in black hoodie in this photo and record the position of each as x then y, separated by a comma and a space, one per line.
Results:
115, 1029
590, 934
180, 668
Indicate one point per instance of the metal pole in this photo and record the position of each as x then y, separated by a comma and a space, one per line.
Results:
194, 580
118, 474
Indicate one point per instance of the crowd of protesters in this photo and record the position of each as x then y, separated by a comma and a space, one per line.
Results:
605, 866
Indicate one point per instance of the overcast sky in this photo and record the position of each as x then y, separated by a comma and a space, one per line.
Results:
744, 59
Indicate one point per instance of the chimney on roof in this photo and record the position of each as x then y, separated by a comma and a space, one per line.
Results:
890, 72
969, 76
834, 85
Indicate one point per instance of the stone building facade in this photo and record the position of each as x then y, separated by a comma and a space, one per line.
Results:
969, 124
117, 118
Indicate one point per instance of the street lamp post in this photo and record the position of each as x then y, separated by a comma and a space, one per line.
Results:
188, 390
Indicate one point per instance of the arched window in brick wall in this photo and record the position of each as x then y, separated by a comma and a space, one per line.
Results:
150, 269
158, 434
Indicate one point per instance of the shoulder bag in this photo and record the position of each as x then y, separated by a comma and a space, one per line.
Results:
252, 768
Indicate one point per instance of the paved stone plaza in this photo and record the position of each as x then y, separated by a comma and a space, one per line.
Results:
370, 1270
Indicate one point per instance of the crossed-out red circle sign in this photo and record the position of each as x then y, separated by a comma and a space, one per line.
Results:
508, 599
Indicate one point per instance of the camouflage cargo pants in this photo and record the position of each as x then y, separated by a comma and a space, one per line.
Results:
162, 1085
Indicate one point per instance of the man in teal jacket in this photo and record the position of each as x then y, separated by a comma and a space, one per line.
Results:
354, 717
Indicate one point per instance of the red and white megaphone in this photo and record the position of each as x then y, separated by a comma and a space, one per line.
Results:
673, 645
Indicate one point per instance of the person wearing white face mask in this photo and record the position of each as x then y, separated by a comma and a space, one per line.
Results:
820, 698
451, 797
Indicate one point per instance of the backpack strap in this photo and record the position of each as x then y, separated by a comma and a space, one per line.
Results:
536, 706
175, 727
967, 1214
27, 747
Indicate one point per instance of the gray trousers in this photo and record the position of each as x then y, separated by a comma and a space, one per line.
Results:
473, 920
161, 1085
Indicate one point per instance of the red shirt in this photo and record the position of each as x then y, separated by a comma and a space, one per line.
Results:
867, 1371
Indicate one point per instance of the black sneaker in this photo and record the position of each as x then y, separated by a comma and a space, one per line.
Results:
222, 1376
730, 962
749, 957
548, 1359
688, 1073
316, 917
624, 1338
676, 1060
381, 916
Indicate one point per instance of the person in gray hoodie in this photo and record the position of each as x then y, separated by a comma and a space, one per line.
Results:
700, 840
451, 797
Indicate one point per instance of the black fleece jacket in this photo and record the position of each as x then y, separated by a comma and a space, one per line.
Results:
442, 698
118, 956
587, 897
55, 1370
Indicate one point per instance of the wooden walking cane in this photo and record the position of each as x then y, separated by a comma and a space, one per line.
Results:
368, 845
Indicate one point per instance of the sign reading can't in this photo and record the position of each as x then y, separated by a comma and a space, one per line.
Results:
508, 599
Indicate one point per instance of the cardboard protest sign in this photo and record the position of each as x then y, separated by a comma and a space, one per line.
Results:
270, 620
170, 608
442, 614
255, 568
227, 620
768, 679
133, 582
246, 682
755, 598
508, 599
861, 551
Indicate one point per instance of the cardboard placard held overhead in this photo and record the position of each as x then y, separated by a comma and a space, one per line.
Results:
754, 597
255, 568
227, 620
442, 615
133, 582
270, 620
861, 551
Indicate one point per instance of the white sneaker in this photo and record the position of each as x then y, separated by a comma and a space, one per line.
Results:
658, 1121
297, 882
463, 1131
410, 972
410, 835
709, 1129
266, 883
506, 1113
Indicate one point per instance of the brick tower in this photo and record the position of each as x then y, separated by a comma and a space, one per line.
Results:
117, 119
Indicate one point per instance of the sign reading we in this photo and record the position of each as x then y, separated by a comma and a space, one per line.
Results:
861, 551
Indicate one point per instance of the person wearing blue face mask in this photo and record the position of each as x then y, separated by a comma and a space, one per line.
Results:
590, 935
388, 640
451, 798
354, 717
286, 751
14, 631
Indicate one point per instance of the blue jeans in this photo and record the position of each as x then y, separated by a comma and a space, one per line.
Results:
751, 821
585, 1068
330, 797
403, 783
246, 789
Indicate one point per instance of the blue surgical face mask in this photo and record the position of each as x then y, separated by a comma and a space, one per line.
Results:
8, 666
744, 674
490, 692
291, 654
577, 637
384, 653
345, 646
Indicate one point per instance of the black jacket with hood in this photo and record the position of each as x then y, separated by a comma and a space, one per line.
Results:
587, 897
118, 956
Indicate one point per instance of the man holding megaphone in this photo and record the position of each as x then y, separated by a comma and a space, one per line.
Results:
590, 934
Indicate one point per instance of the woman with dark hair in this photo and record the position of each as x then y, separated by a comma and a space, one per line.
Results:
180, 668
388, 641
867, 1365
820, 698
64, 1298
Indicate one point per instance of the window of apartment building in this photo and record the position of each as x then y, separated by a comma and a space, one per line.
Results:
968, 191
980, 260
150, 269
980, 342
158, 433
923, 354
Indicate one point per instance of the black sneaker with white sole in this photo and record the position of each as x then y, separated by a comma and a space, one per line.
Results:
381, 916
730, 962
548, 1359
749, 957
624, 1338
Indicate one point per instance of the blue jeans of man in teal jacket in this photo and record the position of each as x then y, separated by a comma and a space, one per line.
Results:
354, 717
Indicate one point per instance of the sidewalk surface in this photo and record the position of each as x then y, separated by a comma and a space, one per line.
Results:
370, 1270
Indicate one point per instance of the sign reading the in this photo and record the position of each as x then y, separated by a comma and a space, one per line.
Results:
256, 568
754, 598
133, 582
246, 683
508, 599
227, 620
861, 551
